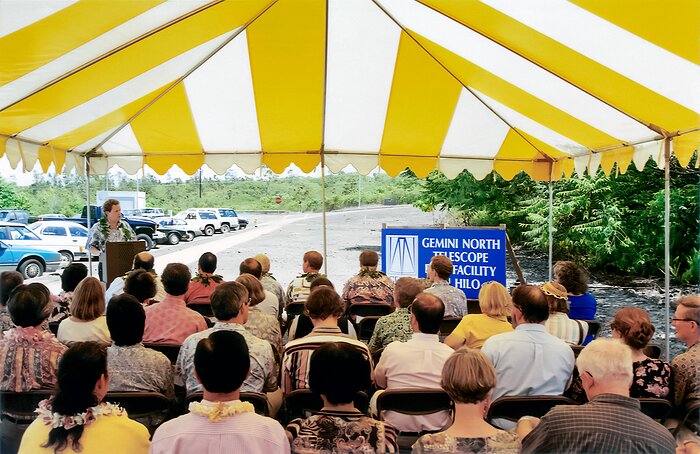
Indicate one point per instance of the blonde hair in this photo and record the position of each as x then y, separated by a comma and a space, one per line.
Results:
88, 300
468, 376
264, 262
494, 300
254, 287
557, 298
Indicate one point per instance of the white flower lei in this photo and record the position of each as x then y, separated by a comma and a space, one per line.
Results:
55, 420
221, 409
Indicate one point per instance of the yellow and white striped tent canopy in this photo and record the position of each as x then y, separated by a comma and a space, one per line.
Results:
548, 87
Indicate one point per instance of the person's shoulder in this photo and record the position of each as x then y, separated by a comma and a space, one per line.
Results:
193, 338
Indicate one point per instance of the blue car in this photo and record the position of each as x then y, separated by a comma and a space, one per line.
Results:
29, 261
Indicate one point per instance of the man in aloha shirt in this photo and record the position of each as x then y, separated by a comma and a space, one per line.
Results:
109, 227
369, 285
397, 325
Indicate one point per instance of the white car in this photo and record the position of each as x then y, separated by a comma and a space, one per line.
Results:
205, 220
70, 237
20, 235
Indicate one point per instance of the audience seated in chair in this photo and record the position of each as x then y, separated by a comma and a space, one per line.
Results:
8, 281
87, 321
29, 353
269, 304
396, 326
611, 421
529, 360
230, 305
496, 306
221, 422
468, 378
439, 273
559, 324
299, 289
204, 281
324, 307
171, 321
416, 363
72, 275
301, 325
261, 324
338, 372
133, 367
369, 285
142, 261
141, 285
75, 419
270, 283
582, 305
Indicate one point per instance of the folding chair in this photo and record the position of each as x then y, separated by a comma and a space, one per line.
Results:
691, 419
149, 408
16, 413
653, 351
655, 408
169, 350
202, 308
295, 309
302, 403
365, 327
593, 328
259, 401
376, 356
473, 306
413, 402
53, 327
513, 408
369, 309
448, 325
577, 349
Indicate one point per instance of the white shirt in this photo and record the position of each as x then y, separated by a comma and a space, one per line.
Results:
414, 364
117, 288
270, 305
242, 432
70, 331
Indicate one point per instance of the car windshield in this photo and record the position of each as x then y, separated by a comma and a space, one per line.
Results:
22, 233
3, 214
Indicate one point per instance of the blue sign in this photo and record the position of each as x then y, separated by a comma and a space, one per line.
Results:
478, 255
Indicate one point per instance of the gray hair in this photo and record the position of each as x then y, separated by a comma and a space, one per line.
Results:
606, 359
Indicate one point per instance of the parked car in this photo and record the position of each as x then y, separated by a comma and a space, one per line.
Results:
173, 230
206, 221
145, 212
69, 235
21, 216
242, 223
29, 261
229, 219
143, 227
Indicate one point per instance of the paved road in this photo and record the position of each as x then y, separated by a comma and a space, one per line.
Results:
285, 238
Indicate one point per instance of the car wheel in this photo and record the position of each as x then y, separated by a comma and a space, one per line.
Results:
209, 230
66, 258
173, 238
190, 236
225, 228
31, 268
146, 239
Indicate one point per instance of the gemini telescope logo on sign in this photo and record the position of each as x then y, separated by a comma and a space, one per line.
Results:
402, 255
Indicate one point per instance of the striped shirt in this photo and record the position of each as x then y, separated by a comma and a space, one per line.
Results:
29, 359
608, 423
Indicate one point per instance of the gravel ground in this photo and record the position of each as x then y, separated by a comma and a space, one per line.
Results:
285, 238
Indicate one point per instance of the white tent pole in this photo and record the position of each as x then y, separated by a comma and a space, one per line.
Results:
86, 167
551, 200
667, 241
323, 195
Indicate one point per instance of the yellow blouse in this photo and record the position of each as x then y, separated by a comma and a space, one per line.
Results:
476, 328
107, 434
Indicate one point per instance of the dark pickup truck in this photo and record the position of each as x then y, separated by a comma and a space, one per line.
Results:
143, 227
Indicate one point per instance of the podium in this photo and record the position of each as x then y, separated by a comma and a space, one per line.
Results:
119, 258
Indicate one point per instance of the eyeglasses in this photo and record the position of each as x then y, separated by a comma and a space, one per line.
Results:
683, 320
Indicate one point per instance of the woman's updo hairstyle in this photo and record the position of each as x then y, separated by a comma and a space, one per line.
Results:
634, 326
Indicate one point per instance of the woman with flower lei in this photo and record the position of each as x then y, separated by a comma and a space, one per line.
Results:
75, 419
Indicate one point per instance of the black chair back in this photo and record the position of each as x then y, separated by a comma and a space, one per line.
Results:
577, 349
593, 328
295, 309
53, 327
202, 308
302, 403
515, 407
169, 350
655, 408
18, 407
149, 408
473, 306
365, 328
653, 351
370, 309
259, 401
448, 325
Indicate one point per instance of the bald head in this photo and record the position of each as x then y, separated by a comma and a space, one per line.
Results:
428, 310
143, 261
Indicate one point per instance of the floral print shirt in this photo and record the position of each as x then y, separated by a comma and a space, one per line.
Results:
501, 442
97, 238
686, 375
335, 431
454, 299
369, 286
393, 327
266, 327
137, 368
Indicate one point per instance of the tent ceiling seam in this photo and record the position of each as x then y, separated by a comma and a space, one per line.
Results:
454, 76
113, 52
